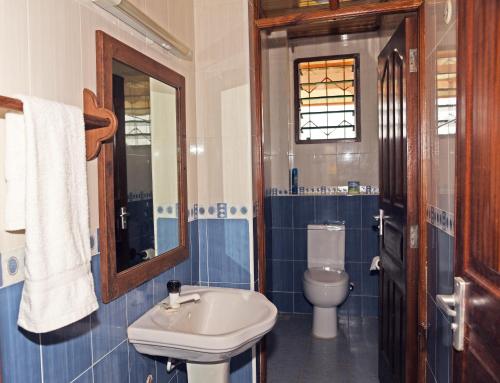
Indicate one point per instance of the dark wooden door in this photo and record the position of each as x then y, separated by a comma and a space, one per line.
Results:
398, 199
478, 189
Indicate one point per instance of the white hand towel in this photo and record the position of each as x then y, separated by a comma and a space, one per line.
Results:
58, 288
15, 171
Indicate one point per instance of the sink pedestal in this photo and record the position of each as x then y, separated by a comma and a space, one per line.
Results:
208, 372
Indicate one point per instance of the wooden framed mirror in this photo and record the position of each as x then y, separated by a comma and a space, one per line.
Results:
142, 171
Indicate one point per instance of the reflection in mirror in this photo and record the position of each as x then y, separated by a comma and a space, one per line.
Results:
145, 167
446, 81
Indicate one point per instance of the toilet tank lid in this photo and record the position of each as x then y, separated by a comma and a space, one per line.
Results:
330, 227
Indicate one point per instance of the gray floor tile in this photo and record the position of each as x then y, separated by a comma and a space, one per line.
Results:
295, 356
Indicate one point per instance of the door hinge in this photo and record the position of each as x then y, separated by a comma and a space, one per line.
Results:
413, 60
414, 237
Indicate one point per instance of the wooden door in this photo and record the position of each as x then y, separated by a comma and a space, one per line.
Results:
478, 189
398, 199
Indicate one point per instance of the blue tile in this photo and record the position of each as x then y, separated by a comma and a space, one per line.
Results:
444, 263
432, 260
1, 268
300, 244
303, 211
243, 286
203, 248
267, 212
429, 374
24, 363
109, 323
301, 305
299, 268
140, 365
67, 352
370, 306
326, 209
349, 210
162, 376
369, 245
369, 208
160, 285
281, 244
241, 368
353, 245
279, 275
183, 272
369, 280
139, 300
281, 212
444, 339
167, 234
351, 306
283, 301
354, 271
431, 333
113, 368
194, 251
86, 377
228, 246
181, 374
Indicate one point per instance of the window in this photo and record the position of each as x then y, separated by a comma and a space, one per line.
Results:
327, 99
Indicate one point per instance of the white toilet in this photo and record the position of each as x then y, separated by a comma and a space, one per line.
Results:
325, 281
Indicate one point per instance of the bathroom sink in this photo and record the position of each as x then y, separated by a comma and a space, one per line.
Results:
221, 324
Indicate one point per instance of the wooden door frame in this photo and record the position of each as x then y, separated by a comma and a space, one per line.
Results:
420, 151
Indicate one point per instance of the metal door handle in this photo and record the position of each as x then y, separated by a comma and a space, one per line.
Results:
123, 217
453, 305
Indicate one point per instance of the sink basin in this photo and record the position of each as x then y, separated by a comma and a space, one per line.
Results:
207, 333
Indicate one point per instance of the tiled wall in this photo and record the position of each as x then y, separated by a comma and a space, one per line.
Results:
334, 163
287, 218
440, 84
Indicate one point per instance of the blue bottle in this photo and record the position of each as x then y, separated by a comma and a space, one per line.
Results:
294, 180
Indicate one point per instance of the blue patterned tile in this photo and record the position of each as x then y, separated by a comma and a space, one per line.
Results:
299, 268
24, 363
369, 208
354, 271
300, 244
221, 210
140, 365
279, 275
353, 245
349, 210
67, 352
369, 245
281, 244
114, 367
326, 209
369, 306
282, 212
369, 280
283, 301
139, 300
109, 323
301, 305
241, 368
228, 246
303, 212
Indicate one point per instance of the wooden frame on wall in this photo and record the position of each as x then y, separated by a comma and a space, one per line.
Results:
115, 284
357, 97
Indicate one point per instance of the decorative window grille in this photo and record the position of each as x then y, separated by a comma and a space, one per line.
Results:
327, 99
137, 112
446, 85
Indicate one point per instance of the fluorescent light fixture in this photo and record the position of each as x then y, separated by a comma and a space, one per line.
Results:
138, 20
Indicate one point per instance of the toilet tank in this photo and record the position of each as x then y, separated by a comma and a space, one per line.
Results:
326, 246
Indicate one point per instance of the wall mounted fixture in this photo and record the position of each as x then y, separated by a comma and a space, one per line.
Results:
125, 11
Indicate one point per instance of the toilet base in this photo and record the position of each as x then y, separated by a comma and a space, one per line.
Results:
324, 322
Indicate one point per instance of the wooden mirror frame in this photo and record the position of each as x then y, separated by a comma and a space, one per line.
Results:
114, 284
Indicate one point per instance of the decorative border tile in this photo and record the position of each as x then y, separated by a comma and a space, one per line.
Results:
139, 196
441, 219
322, 190
219, 210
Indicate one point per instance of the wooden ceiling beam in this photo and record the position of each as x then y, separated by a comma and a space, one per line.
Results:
371, 9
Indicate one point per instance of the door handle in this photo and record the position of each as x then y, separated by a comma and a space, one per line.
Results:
123, 217
453, 305
380, 219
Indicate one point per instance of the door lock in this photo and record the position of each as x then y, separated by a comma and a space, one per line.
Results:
453, 305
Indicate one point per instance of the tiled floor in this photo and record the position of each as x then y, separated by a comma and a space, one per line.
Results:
296, 357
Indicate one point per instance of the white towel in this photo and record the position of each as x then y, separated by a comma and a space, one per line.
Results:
58, 288
15, 171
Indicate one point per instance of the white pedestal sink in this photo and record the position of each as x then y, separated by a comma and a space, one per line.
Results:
206, 334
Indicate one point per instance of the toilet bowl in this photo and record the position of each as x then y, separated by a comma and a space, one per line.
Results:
325, 282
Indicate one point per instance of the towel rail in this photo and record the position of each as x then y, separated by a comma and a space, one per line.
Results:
100, 123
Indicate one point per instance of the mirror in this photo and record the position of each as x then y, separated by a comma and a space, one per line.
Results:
142, 195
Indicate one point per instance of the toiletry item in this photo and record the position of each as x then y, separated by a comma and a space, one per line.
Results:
353, 187
294, 180
375, 266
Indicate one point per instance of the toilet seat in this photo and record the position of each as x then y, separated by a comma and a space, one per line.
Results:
325, 277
